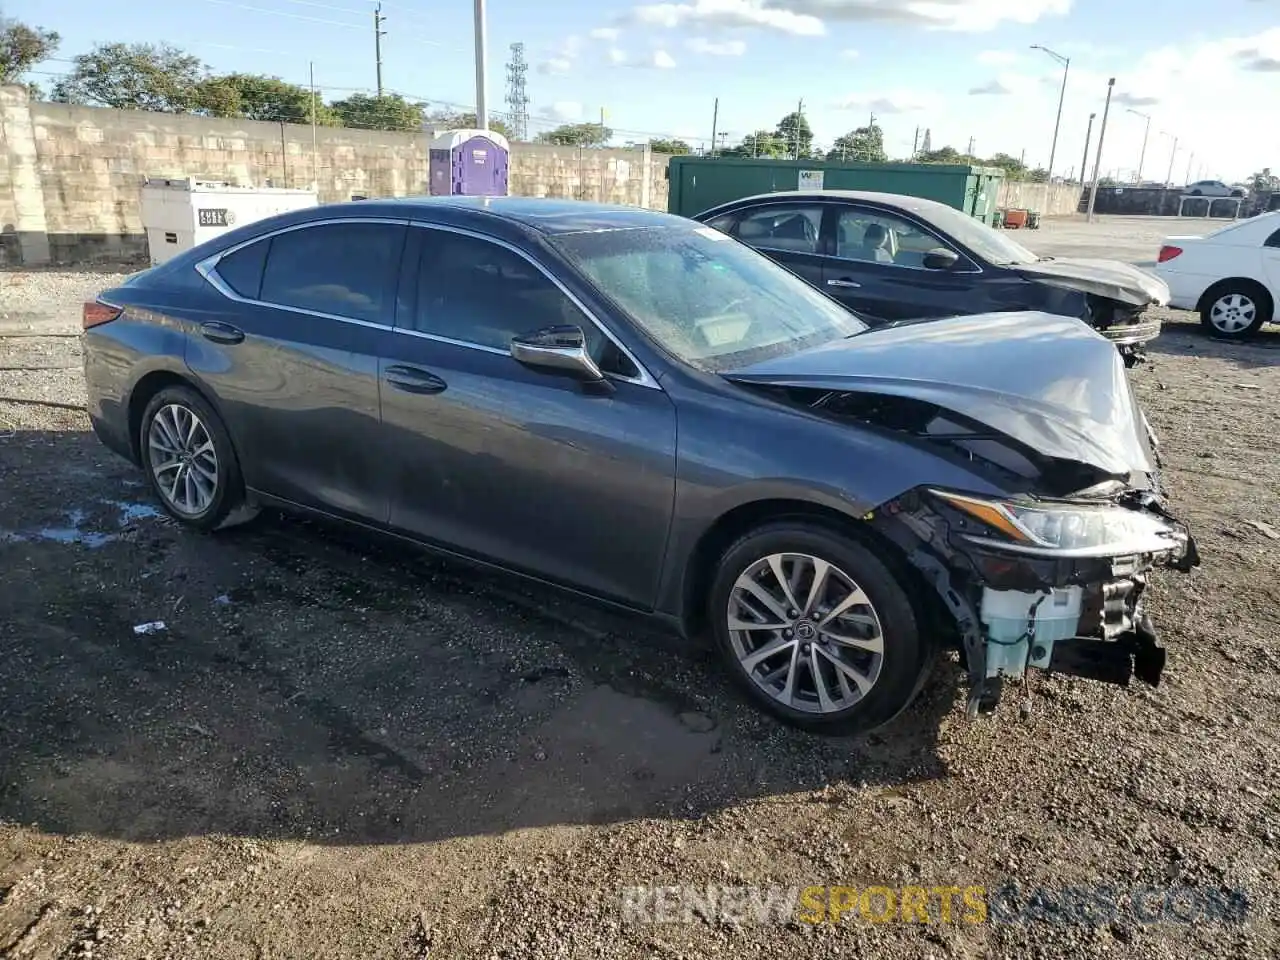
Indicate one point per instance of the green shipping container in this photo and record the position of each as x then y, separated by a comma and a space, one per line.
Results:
699, 183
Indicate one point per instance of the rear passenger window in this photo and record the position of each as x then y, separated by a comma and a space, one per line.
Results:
344, 269
1273, 240
242, 270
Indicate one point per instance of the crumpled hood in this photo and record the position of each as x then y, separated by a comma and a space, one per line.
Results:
1105, 278
1045, 381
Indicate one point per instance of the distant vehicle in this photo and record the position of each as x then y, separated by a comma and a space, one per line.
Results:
633, 406
891, 257
1231, 277
1212, 188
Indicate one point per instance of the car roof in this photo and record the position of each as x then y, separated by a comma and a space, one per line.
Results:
549, 215
916, 205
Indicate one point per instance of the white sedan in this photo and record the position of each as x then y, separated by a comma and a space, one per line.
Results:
1231, 277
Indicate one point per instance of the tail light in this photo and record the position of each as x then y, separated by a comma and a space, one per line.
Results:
1167, 253
97, 313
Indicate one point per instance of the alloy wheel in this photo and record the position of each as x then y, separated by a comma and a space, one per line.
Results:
1233, 313
184, 462
805, 632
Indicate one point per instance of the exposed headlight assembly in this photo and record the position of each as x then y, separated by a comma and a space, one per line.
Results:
1064, 529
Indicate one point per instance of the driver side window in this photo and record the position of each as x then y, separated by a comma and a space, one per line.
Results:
786, 227
476, 292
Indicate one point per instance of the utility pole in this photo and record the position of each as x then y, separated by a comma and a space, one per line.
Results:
969, 152
915, 143
482, 83
1168, 177
1142, 156
1084, 161
378, 34
715, 120
795, 127
1102, 133
1190, 160
315, 176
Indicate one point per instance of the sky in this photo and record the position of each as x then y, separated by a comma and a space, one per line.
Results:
1208, 75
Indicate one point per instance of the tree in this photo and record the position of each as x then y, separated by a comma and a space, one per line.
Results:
1264, 181
391, 111
794, 130
1038, 175
762, 143
943, 155
577, 135
21, 47
451, 120
864, 143
258, 97
1013, 168
673, 147
137, 76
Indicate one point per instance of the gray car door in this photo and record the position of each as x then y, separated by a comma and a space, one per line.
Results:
291, 354
498, 461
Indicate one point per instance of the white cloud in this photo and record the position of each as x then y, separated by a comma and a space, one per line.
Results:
762, 14
727, 48
990, 88
662, 60
605, 33
849, 54
967, 15
555, 66
893, 102
564, 110
617, 57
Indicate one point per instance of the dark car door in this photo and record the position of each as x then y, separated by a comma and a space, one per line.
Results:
790, 233
877, 268
293, 359
496, 460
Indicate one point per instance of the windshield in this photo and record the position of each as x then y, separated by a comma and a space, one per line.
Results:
992, 245
713, 302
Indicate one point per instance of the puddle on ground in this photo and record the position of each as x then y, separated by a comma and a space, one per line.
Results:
77, 529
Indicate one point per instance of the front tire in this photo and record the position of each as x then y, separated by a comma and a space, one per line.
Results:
1236, 310
816, 629
190, 463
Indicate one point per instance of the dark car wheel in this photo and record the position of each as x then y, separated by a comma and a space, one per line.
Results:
1235, 310
189, 460
816, 629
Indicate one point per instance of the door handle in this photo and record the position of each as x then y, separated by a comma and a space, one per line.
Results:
413, 380
221, 332
843, 282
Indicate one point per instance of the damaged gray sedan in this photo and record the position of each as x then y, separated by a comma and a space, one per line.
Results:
639, 409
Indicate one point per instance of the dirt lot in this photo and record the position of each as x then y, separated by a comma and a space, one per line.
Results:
340, 749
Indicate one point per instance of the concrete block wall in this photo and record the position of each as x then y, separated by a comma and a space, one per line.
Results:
1060, 200
70, 177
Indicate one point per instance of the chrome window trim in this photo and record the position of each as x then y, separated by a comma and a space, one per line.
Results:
207, 268
919, 224
645, 379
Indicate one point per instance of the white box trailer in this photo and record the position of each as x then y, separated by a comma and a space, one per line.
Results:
179, 214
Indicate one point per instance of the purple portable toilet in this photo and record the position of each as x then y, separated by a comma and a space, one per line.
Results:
469, 163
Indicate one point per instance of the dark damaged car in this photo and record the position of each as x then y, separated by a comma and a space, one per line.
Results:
890, 257
634, 407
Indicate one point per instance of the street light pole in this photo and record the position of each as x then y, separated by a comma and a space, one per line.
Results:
1084, 161
1097, 163
1142, 157
1061, 95
482, 85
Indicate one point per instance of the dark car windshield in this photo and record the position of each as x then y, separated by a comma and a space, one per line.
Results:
992, 245
709, 300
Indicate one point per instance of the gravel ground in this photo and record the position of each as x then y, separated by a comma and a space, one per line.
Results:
338, 749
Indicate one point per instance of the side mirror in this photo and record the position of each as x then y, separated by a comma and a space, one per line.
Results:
940, 259
558, 350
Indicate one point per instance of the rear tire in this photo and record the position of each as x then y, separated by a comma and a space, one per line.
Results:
1236, 309
843, 658
190, 462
